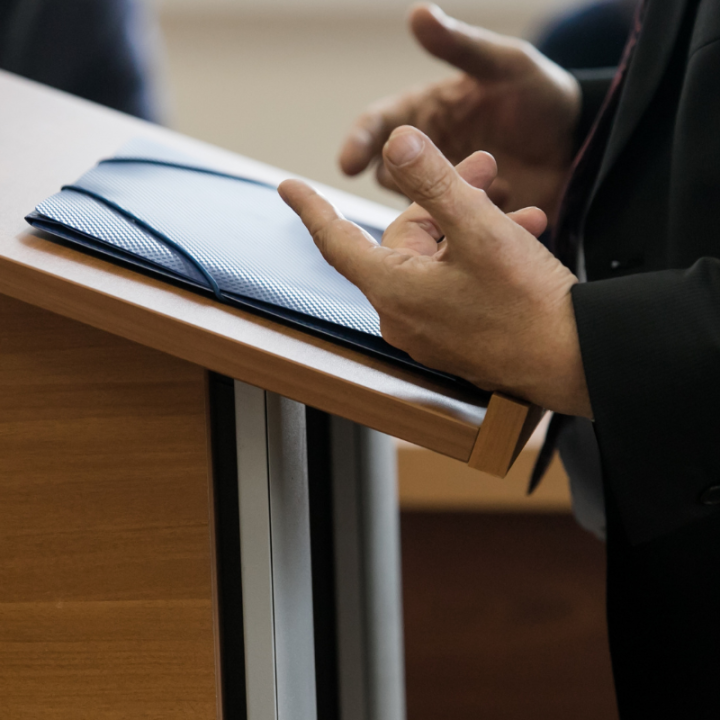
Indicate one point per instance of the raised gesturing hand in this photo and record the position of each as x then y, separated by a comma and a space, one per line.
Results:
509, 99
458, 284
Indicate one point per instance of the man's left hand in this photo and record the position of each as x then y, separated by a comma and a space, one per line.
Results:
458, 284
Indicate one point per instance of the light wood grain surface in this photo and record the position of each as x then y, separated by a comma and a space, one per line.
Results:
508, 425
106, 607
48, 138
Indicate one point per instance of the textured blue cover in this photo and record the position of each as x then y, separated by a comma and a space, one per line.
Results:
159, 211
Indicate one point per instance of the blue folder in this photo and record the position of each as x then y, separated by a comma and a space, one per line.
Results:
162, 213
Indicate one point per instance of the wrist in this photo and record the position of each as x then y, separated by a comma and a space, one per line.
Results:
562, 386
550, 371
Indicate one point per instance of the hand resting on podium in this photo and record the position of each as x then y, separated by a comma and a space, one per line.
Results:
458, 284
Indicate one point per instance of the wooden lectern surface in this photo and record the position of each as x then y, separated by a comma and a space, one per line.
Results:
48, 139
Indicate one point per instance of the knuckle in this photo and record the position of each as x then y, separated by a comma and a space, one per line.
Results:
435, 188
527, 55
375, 120
323, 234
483, 199
320, 237
368, 121
523, 46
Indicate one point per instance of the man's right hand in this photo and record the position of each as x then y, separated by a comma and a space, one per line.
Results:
510, 100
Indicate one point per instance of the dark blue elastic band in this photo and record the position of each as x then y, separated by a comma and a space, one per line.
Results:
161, 236
181, 166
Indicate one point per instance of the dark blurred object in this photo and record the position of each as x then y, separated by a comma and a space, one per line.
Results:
504, 618
96, 49
591, 36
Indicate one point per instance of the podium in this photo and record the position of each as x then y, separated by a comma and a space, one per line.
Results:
198, 513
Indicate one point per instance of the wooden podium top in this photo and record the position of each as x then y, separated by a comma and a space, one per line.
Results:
48, 138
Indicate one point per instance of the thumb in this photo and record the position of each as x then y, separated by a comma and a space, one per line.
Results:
532, 219
425, 176
478, 52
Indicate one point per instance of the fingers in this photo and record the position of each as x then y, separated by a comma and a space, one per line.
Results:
444, 198
343, 244
384, 178
371, 130
478, 170
414, 232
500, 193
474, 170
533, 219
423, 174
476, 51
483, 54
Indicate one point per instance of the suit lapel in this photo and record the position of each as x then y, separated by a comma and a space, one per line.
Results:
650, 60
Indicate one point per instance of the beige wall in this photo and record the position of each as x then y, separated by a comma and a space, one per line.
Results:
281, 80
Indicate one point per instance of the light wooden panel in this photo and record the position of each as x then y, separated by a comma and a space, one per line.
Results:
508, 425
105, 581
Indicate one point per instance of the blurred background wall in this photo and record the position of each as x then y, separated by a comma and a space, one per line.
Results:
281, 80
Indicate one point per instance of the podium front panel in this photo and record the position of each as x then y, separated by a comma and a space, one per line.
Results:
106, 596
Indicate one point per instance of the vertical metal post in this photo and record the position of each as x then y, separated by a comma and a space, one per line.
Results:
369, 594
291, 559
277, 570
275, 556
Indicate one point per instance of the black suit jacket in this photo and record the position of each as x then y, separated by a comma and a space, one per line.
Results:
649, 327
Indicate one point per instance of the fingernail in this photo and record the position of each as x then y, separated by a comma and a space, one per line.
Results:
403, 149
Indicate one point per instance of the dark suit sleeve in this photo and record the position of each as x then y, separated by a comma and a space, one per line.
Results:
650, 345
594, 85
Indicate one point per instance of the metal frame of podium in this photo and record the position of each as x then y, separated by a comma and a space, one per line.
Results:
312, 520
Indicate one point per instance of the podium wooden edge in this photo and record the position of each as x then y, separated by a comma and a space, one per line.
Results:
490, 446
507, 426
